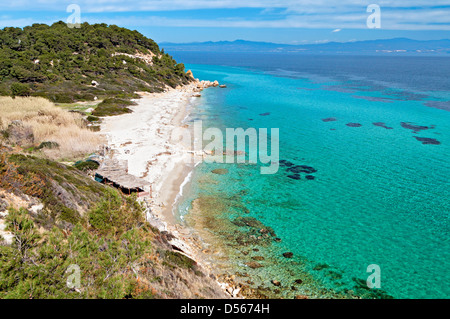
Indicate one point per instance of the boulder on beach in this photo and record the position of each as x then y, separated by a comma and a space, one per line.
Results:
223, 86
220, 171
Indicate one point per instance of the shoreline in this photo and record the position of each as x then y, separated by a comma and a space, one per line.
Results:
142, 139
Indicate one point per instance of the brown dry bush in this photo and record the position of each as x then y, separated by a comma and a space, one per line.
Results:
50, 124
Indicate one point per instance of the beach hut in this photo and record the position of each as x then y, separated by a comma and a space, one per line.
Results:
115, 174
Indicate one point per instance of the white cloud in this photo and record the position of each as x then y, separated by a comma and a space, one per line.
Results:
163, 5
335, 15
307, 22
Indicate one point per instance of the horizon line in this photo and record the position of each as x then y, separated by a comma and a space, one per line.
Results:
299, 44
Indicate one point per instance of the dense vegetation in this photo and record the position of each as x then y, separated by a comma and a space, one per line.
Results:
35, 265
112, 106
118, 253
115, 249
60, 219
65, 191
61, 63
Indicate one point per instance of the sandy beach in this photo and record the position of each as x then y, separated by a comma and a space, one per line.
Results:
143, 140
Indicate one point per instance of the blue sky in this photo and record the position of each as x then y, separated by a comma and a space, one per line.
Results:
288, 21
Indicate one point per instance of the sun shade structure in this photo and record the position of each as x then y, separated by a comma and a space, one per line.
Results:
115, 173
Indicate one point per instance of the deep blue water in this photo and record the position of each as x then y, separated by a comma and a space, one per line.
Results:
379, 196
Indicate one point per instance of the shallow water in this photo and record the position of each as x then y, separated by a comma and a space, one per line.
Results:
379, 196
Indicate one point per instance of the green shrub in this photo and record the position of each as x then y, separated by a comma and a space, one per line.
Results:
49, 145
86, 166
20, 89
67, 77
62, 189
84, 97
115, 214
92, 118
61, 98
112, 106
36, 265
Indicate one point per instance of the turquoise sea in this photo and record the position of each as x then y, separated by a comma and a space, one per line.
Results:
380, 193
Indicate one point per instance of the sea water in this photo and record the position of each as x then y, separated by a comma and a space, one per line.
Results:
379, 194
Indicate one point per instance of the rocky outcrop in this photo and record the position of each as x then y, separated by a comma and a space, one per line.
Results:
147, 58
10, 200
19, 134
201, 85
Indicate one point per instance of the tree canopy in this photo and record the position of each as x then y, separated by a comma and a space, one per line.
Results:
61, 63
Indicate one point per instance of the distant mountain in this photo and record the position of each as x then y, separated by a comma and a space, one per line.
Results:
389, 46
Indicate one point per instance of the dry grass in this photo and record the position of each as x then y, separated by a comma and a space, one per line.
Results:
50, 123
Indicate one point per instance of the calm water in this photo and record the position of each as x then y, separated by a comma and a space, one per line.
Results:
380, 196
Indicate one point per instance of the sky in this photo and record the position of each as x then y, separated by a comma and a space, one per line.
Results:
288, 21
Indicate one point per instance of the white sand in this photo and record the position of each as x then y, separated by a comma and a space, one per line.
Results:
144, 140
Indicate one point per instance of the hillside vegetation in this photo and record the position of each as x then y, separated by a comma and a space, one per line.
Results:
117, 253
84, 224
38, 125
55, 218
79, 64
